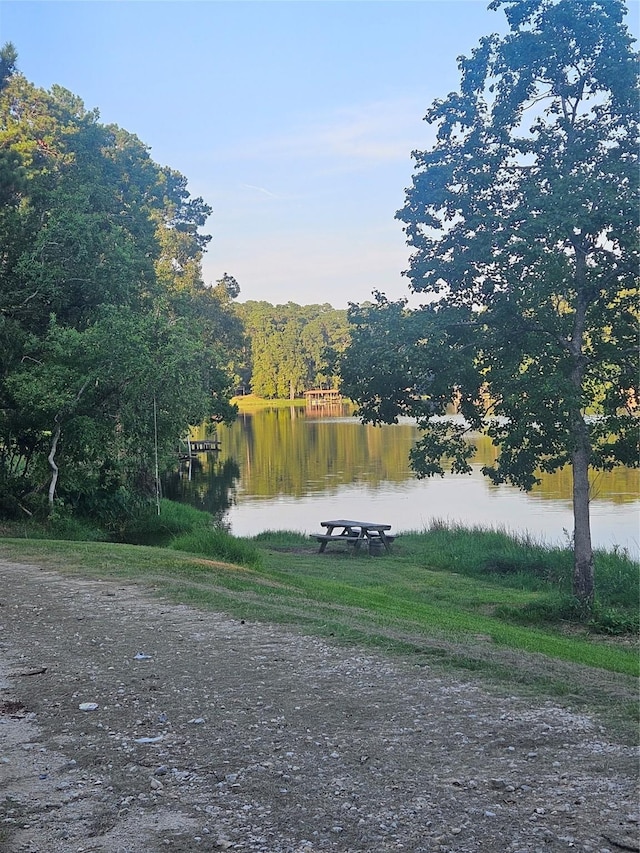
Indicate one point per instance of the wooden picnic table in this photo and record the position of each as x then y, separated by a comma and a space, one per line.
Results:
355, 533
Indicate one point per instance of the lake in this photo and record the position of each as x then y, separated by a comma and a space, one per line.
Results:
289, 469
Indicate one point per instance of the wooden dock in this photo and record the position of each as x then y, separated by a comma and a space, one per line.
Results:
322, 397
207, 445
196, 446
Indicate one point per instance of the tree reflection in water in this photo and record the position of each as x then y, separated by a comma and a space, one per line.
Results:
282, 468
205, 482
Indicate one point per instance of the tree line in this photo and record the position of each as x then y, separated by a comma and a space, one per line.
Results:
111, 344
290, 348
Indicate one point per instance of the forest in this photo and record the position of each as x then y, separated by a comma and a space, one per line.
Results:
291, 348
112, 344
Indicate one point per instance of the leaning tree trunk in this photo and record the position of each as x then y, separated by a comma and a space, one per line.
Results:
51, 459
55, 438
583, 577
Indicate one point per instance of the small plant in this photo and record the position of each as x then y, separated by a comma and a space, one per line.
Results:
614, 622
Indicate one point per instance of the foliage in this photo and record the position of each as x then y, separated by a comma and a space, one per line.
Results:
291, 348
61, 525
111, 344
523, 220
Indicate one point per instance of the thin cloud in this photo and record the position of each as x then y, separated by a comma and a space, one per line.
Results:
360, 135
261, 190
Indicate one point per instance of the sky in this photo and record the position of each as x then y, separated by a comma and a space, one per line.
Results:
294, 119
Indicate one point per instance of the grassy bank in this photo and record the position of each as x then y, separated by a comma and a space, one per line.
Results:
251, 403
449, 594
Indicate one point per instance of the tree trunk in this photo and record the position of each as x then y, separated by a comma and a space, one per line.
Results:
52, 463
55, 438
583, 578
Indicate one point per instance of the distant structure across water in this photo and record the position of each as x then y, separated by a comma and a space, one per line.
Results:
323, 401
322, 397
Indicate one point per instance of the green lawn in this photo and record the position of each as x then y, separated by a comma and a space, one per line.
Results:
393, 601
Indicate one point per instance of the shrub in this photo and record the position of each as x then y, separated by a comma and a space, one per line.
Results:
73, 529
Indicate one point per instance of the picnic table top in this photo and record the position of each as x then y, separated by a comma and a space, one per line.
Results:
364, 525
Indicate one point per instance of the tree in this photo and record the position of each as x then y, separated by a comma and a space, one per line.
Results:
105, 399
523, 220
104, 317
8, 59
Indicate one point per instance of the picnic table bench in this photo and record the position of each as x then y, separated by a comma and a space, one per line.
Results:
355, 533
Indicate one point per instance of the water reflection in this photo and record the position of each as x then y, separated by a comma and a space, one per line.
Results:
287, 469
206, 482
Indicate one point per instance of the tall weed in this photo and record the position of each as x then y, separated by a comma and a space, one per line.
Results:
217, 544
147, 527
522, 562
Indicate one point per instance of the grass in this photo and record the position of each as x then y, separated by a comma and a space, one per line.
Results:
409, 592
521, 562
477, 600
142, 525
218, 545
252, 403
148, 527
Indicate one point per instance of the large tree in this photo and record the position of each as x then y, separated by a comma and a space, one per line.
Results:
110, 343
523, 220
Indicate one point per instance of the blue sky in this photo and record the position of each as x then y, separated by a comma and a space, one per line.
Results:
295, 120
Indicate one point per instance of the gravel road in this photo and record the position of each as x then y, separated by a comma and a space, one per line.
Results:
204, 733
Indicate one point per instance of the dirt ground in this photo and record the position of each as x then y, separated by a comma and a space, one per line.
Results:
208, 733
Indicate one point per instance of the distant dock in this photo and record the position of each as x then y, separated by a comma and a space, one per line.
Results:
322, 397
195, 446
205, 446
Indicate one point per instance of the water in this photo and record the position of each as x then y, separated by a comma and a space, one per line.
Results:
286, 469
